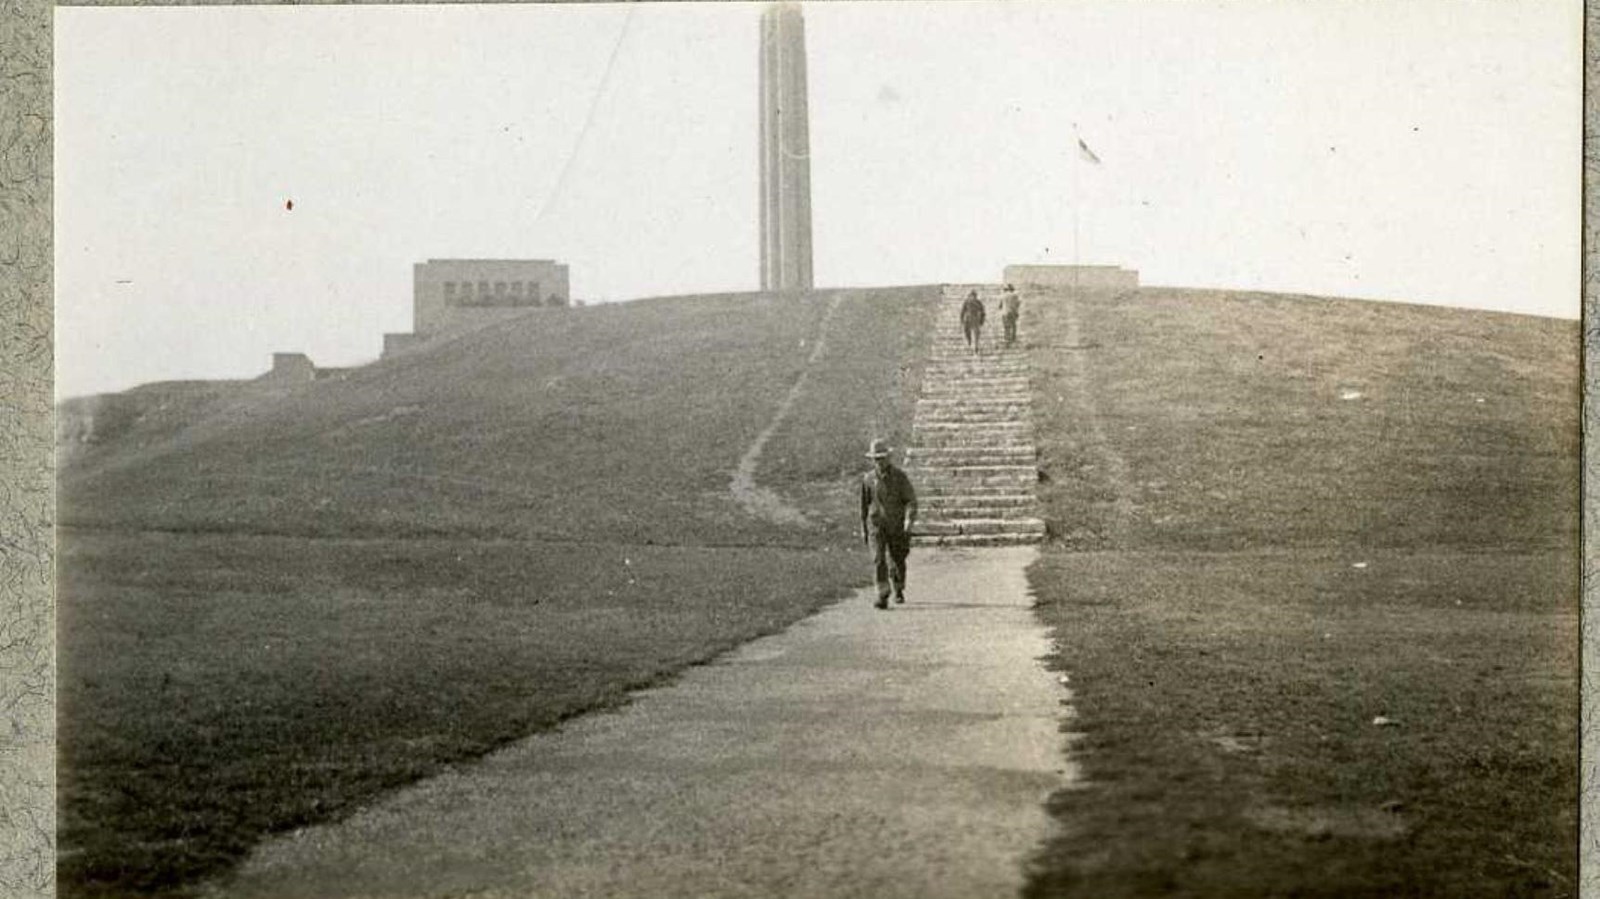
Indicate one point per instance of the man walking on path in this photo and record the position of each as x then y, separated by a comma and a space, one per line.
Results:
888, 513
1010, 305
972, 315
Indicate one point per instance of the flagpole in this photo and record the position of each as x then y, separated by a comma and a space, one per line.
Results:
1077, 209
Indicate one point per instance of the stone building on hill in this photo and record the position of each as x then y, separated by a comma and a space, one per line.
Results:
448, 292
459, 294
295, 368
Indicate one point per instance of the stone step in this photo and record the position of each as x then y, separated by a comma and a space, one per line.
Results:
986, 378
971, 455
986, 359
936, 527
978, 540
1016, 380
972, 416
977, 384
991, 455
971, 483
971, 441
976, 402
958, 343
970, 445
999, 396
975, 510
931, 489
977, 398
964, 370
1020, 499
947, 433
1023, 399
977, 377
962, 478
971, 367
977, 412
965, 361
991, 342
991, 397
935, 467
974, 428
992, 394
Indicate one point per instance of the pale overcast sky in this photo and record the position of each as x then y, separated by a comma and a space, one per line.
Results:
1419, 151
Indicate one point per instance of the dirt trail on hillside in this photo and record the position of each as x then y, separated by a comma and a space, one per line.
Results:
763, 502
899, 753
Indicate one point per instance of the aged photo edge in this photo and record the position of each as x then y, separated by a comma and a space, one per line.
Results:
1589, 841
27, 639
27, 632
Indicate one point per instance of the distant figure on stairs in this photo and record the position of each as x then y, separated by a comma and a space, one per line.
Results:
888, 513
972, 315
1010, 306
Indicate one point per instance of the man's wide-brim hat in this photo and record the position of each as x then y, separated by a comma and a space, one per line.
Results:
878, 450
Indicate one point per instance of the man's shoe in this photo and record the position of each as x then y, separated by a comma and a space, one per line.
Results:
899, 597
882, 603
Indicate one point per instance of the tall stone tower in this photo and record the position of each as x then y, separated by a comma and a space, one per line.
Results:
785, 151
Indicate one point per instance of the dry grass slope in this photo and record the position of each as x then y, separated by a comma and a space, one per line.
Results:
301, 597
1278, 521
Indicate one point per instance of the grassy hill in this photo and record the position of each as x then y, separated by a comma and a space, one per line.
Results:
1275, 521
1315, 586
276, 602
614, 422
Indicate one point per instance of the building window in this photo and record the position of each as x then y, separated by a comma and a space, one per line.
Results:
449, 291
483, 292
516, 289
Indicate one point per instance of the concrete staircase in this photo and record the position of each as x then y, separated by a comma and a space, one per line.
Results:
972, 457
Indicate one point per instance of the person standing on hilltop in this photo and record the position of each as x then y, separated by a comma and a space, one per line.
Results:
888, 513
1010, 307
972, 315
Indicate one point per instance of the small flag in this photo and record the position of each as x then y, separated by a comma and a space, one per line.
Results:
1086, 153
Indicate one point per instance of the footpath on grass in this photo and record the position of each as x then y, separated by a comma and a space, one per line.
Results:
906, 752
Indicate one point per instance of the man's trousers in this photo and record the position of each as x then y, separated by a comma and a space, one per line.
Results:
889, 551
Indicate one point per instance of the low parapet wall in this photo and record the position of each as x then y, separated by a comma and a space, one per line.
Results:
1112, 276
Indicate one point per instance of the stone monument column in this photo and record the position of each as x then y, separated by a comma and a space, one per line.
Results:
785, 151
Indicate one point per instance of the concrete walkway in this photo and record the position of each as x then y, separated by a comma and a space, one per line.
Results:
906, 752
